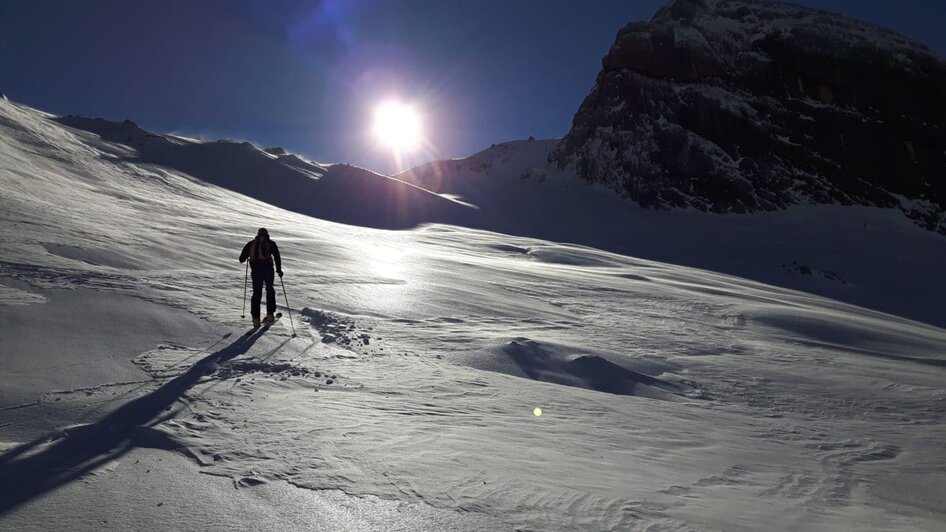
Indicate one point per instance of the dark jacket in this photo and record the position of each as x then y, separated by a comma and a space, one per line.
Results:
261, 254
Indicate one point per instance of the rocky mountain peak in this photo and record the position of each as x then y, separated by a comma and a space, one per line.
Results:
743, 105
682, 10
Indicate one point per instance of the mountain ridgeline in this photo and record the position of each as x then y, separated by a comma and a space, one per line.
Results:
745, 106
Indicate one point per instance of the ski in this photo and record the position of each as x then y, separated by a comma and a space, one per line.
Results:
263, 325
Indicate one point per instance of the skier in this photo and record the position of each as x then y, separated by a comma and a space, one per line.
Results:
261, 252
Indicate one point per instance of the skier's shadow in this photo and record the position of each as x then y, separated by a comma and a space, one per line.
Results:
32, 469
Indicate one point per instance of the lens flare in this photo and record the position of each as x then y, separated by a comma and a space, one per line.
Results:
397, 126
537, 412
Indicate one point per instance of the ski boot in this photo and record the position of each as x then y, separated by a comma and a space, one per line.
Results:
269, 317
255, 321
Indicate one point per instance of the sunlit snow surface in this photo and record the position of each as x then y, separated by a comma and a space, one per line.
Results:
672, 397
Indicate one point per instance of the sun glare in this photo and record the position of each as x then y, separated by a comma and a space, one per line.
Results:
397, 126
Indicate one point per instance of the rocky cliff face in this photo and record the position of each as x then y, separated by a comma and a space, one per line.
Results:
739, 106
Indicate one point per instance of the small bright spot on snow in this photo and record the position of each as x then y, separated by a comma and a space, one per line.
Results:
537, 412
397, 126
384, 261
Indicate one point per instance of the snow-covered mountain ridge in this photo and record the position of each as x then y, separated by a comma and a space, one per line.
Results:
285, 180
743, 106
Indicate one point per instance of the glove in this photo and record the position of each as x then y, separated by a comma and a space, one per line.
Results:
280, 274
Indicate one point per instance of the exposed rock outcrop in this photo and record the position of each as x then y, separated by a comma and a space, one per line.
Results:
739, 106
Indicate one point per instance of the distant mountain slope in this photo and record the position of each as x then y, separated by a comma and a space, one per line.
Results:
484, 173
872, 257
339, 193
742, 105
486, 177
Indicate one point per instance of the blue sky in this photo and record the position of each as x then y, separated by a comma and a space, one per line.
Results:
305, 74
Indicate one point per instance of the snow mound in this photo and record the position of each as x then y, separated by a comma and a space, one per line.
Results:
557, 364
573, 256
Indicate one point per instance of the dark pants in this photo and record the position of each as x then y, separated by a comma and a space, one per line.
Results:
260, 276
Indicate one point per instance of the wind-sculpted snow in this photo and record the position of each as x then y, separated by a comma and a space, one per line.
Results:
672, 397
769, 427
14, 296
575, 366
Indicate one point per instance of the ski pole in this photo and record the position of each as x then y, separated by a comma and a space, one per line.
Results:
287, 306
245, 276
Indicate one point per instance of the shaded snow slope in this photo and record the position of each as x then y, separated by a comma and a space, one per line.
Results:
340, 193
673, 397
863, 255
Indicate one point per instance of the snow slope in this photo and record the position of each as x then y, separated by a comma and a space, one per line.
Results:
673, 397
861, 255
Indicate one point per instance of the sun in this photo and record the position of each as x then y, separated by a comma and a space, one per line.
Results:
397, 126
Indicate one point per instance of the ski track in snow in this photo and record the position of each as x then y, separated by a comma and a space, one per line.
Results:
421, 356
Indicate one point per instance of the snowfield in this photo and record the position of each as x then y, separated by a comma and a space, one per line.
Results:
779, 371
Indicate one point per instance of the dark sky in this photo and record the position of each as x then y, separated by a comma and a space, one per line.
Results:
305, 74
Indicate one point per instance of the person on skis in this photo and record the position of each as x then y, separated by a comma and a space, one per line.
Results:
261, 252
